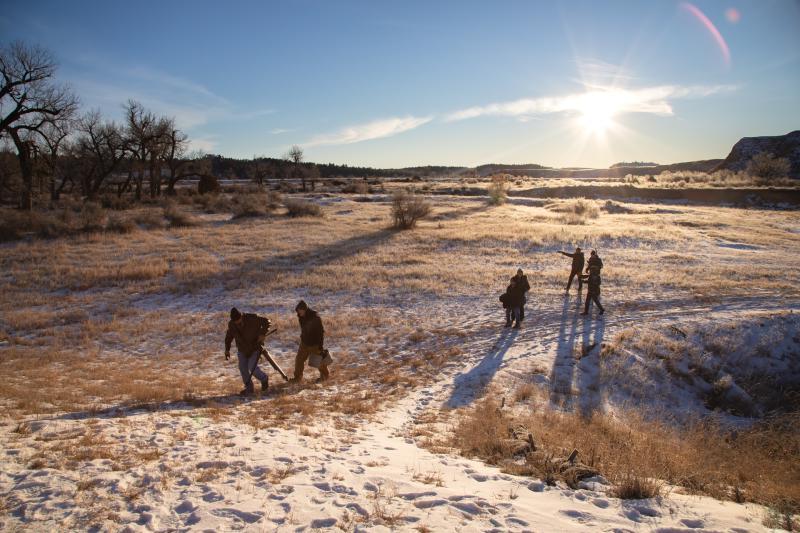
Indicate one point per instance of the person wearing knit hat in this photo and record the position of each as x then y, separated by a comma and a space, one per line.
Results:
312, 338
249, 331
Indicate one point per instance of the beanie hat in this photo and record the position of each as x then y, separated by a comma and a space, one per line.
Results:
235, 314
301, 305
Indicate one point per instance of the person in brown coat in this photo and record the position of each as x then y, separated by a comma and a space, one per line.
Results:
249, 331
312, 338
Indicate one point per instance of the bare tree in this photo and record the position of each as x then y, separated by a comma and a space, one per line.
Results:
53, 146
100, 149
260, 169
175, 146
30, 99
295, 156
142, 142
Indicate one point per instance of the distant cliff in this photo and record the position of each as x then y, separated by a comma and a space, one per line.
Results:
787, 146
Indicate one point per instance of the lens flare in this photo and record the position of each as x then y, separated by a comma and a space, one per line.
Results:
705, 21
733, 15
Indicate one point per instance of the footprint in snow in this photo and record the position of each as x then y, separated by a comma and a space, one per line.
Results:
186, 506
693, 523
410, 496
237, 515
514, 521
601, 503
213, 496
320, 523
580, 516
429, 504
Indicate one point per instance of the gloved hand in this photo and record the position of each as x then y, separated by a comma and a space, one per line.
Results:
227, 355
261, 339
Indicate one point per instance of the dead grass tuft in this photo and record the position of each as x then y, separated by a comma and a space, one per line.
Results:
633, 487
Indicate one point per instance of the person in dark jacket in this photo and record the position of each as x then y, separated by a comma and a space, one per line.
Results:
577, 267
594, 261
512, 301
249, 331
522, 280
312, 338
593, 292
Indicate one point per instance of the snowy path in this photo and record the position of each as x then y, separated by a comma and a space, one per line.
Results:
214, 475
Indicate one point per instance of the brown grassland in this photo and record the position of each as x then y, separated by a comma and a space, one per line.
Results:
98, 322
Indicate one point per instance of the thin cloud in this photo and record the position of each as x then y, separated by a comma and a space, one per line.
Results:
109, 86
371, 130
279, 131
655, 100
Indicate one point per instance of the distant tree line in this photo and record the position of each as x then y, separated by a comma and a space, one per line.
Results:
634, 164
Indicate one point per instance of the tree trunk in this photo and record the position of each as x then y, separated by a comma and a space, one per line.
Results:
26, 169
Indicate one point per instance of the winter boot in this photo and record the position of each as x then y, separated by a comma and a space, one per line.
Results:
247, 391
264, 385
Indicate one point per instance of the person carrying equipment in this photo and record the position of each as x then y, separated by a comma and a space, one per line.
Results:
249, 331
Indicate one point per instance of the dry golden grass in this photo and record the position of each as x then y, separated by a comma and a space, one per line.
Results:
95, 322
84, 327
760, 464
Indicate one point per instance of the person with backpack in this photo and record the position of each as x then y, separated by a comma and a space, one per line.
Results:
594, 261
312, 338
593, 292
512, 301
522, 280
249, 331
577, 267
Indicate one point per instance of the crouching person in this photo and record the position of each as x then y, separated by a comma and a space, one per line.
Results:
249, 331
312, 337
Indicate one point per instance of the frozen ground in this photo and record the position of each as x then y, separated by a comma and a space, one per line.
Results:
218, 475
183, 465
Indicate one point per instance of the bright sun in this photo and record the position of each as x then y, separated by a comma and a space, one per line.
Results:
597, 120
597, 111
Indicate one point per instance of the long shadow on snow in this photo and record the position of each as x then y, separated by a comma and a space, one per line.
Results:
590, 396
574, 376
126, 410
563, 370
471, 384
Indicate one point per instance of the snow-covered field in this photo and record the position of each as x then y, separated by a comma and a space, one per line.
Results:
128, 419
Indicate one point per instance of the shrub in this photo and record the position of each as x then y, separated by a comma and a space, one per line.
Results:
149, 219
13, 224
356, 187
766, 168
302, 208
498, 190
117, 203
178, 217
249, 205
208, 184
92, 217
120, 224
633, 487
407, 209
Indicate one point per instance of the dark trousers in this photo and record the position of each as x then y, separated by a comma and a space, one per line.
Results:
572, 276
592, 297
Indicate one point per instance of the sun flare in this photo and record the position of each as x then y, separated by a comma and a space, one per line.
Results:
597, 111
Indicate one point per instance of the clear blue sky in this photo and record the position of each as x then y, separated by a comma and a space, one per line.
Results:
577, 83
